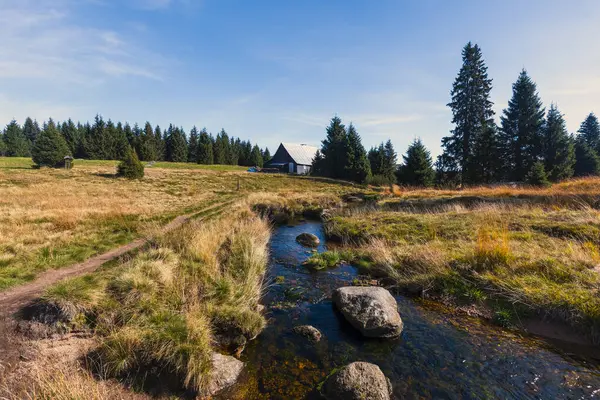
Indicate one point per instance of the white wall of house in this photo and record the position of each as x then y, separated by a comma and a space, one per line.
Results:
303, 169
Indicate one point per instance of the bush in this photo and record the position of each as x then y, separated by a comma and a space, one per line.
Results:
130, 167
537, 175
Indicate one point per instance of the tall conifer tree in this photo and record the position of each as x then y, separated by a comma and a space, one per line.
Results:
559, 152
472, 114
417, 169
590, 130
587, 162
358, 168
520, 139
17, 144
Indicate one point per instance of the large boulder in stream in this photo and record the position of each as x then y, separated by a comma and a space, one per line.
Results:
357, 381
371, 310
225, 372
308, 240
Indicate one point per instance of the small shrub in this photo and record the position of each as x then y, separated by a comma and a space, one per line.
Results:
130, 167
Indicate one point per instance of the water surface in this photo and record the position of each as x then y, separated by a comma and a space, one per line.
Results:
437, 357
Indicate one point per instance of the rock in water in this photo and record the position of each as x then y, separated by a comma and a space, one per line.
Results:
308, 240
371, 310
225, 373
309, 332
358, 381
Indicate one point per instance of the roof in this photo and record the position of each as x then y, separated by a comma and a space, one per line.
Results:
301, 153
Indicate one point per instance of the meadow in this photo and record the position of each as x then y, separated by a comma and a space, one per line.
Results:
503, 253
53, 218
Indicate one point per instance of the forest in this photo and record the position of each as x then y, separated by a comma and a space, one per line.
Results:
107, 140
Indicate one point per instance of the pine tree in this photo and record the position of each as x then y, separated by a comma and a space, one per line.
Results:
17, 144
417, 169
122, 143
520, 139
376, 162
358, 168
559, 152
486, 164
129, 134
177, 148
587, 162
205, 148
590, 130
50, 148
333, 151
233, 152
389, 161
130, 166
537, 175
472, 115
31, 130
193, 146
256, 159
318, 165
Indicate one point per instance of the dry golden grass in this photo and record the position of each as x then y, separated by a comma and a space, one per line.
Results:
52, 218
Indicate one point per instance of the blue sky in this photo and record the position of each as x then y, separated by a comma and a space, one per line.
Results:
277, 70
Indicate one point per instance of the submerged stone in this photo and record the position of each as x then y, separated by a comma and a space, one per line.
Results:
225, 372
371, 310
357, 381
309, 332
308, 240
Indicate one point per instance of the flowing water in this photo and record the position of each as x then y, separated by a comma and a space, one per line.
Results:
438, 356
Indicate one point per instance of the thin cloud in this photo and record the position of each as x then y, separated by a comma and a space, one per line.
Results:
41, 41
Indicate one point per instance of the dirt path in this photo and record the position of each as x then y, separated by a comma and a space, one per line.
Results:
14, 299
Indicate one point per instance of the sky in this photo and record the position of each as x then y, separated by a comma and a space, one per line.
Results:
276, 71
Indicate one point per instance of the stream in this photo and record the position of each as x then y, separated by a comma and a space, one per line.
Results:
438, 356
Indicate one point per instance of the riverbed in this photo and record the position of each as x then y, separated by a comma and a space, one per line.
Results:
438, 356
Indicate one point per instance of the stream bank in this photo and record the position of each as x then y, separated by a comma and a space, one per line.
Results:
437, 355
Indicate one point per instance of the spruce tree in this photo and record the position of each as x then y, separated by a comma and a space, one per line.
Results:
587, 162
71, 134
417, 169
358, 168
376, 162
537, 175
472, 115
2, 145
318, 167
161, 146
31, 130
221, 148
205, 148
96, 140
147, 148
130, 166
520, 139
256, 159
559, 152
50, 147
590, 130
389, 161
193, 146
266, 155
333, 150
233, 152
17, 144
177, 148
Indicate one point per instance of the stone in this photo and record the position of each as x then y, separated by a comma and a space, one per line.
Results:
371, 310
308, 240
357, 381
309, 332
225, 372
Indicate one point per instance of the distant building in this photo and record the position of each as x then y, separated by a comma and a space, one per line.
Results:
293, 158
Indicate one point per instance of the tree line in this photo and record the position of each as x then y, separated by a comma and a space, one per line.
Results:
106, 140
530, 145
